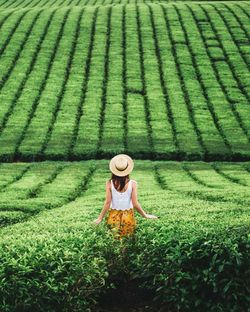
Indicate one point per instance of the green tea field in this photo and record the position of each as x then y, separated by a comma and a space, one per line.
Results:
28, 189
203, 214
166, 82
155, 80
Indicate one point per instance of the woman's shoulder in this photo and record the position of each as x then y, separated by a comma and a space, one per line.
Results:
133, 181
108, 182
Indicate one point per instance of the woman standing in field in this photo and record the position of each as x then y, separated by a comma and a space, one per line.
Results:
121, 198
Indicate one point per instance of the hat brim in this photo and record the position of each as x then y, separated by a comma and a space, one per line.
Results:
125, 172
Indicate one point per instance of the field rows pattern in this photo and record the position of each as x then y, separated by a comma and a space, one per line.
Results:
164, 81
30, 4
156, 81
29, 188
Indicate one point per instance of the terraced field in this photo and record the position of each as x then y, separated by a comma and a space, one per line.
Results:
82, 80
166, 82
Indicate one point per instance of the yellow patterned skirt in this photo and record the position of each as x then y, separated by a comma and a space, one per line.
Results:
121, 222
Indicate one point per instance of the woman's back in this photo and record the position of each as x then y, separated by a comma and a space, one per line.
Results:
121, 205
121, 200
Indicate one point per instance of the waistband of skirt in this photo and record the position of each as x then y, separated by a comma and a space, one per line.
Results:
127, 209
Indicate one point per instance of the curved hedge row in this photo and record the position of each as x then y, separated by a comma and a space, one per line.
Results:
195, 257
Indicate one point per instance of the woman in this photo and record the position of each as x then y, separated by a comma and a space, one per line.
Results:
121, 198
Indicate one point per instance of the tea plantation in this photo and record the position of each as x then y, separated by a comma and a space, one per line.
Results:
166, 82
157, 80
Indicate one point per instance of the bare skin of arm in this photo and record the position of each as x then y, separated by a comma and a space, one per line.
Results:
135, 203
106, 203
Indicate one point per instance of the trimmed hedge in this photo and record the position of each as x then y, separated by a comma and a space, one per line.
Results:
187, 267
194, 270
54, 273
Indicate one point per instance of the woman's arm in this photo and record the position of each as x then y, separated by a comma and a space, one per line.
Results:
106, 204
136, 204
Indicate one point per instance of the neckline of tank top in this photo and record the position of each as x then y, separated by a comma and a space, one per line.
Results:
121, 192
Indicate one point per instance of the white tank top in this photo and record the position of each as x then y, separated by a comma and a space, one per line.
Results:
121, 200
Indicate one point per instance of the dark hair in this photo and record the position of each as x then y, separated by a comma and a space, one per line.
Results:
119, 182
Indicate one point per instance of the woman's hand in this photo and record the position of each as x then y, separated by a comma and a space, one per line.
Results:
97, 221
149, 216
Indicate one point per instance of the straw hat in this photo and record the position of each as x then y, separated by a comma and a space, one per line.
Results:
121, 165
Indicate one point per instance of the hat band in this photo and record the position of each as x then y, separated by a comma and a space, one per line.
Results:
122, 169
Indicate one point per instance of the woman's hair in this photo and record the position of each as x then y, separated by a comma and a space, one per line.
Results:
119, 182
